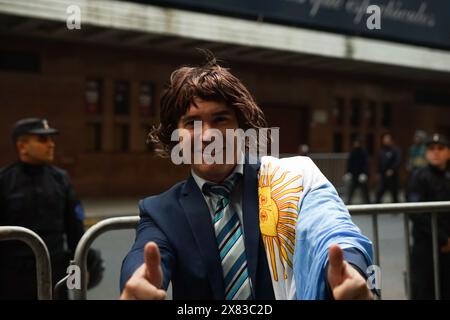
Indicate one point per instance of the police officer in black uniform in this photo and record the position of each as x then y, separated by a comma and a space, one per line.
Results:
36, 195
431, 183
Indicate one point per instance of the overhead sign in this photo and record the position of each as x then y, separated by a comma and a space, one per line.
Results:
420, 22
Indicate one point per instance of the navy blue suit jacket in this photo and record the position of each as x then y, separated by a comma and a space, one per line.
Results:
179, 221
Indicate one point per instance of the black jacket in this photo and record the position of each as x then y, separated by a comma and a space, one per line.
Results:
430, 184
389, 160
358, 163
42, 199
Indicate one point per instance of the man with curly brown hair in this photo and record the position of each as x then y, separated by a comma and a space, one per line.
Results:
237, 230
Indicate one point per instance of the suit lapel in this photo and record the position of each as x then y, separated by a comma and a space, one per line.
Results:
250, 209
199, 218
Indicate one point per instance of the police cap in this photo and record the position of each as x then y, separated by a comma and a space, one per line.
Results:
437, 138
32, 126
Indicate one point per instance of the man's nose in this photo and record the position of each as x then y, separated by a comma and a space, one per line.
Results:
206, 132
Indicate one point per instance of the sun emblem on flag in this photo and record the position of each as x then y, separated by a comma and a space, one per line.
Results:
278, 212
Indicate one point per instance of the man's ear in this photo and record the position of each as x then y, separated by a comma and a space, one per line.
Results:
20, 145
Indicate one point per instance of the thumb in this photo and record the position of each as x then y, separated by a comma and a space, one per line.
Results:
336, 265
152, 260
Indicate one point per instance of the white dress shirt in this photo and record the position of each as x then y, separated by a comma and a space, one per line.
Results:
236, 193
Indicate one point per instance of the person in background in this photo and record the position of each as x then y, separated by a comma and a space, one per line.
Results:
358, 172
416, 153
431, 183
388, 169
39, 196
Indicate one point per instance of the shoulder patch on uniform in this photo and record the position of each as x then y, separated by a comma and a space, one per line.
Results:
79, 212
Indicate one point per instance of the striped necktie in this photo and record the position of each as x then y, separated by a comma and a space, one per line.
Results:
230, 241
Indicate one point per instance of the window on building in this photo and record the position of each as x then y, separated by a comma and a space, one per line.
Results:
122, 97
386, 119
113, 123
121, 137
355, 116
370, 144
339, 111
371, 114
337, 142
93, 96
146, 99
94, 137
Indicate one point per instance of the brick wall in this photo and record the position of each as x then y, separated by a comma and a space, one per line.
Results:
57, 92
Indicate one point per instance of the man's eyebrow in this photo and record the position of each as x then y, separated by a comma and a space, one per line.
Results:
226, 112
188, 118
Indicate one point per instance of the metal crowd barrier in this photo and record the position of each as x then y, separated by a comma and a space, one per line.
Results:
406, 208
85, 243
40, 251
367, 209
